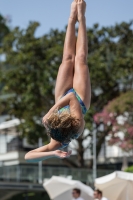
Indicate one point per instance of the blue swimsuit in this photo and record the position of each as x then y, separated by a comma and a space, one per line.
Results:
83, 108
55, 134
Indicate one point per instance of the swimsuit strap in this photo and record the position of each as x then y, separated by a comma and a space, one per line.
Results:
83, 107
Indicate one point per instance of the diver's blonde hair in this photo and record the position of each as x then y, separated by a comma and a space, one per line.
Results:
67, 124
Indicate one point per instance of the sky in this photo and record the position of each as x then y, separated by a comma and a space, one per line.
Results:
54, 13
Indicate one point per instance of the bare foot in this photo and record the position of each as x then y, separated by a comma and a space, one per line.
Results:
73, 12
81, 7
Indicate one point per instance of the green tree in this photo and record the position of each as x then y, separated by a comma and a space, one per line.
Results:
4, 31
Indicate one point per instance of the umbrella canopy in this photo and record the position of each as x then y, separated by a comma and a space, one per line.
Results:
60, 188
9, 124
116, 186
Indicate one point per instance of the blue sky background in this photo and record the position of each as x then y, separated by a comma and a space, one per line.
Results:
55, 13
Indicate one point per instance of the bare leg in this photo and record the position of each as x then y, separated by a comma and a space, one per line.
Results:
66, 70
81, 81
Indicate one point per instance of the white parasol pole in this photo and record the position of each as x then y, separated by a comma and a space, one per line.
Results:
40, 164
94, 156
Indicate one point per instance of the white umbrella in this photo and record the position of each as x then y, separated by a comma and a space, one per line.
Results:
9, 124
60, 188
116, 186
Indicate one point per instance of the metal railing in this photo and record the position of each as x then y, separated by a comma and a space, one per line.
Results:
30, 174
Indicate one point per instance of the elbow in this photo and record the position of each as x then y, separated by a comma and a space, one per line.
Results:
27, 156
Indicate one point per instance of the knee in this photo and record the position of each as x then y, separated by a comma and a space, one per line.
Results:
81, 58
68, 57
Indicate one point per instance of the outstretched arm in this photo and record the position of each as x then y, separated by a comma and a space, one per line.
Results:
47, 151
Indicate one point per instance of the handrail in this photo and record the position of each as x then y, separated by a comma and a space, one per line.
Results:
29, 174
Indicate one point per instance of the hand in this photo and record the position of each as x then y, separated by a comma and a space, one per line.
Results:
44, 119
62, 154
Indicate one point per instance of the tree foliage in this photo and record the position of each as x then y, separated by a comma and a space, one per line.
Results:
121, 104
4, 29
129, 169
